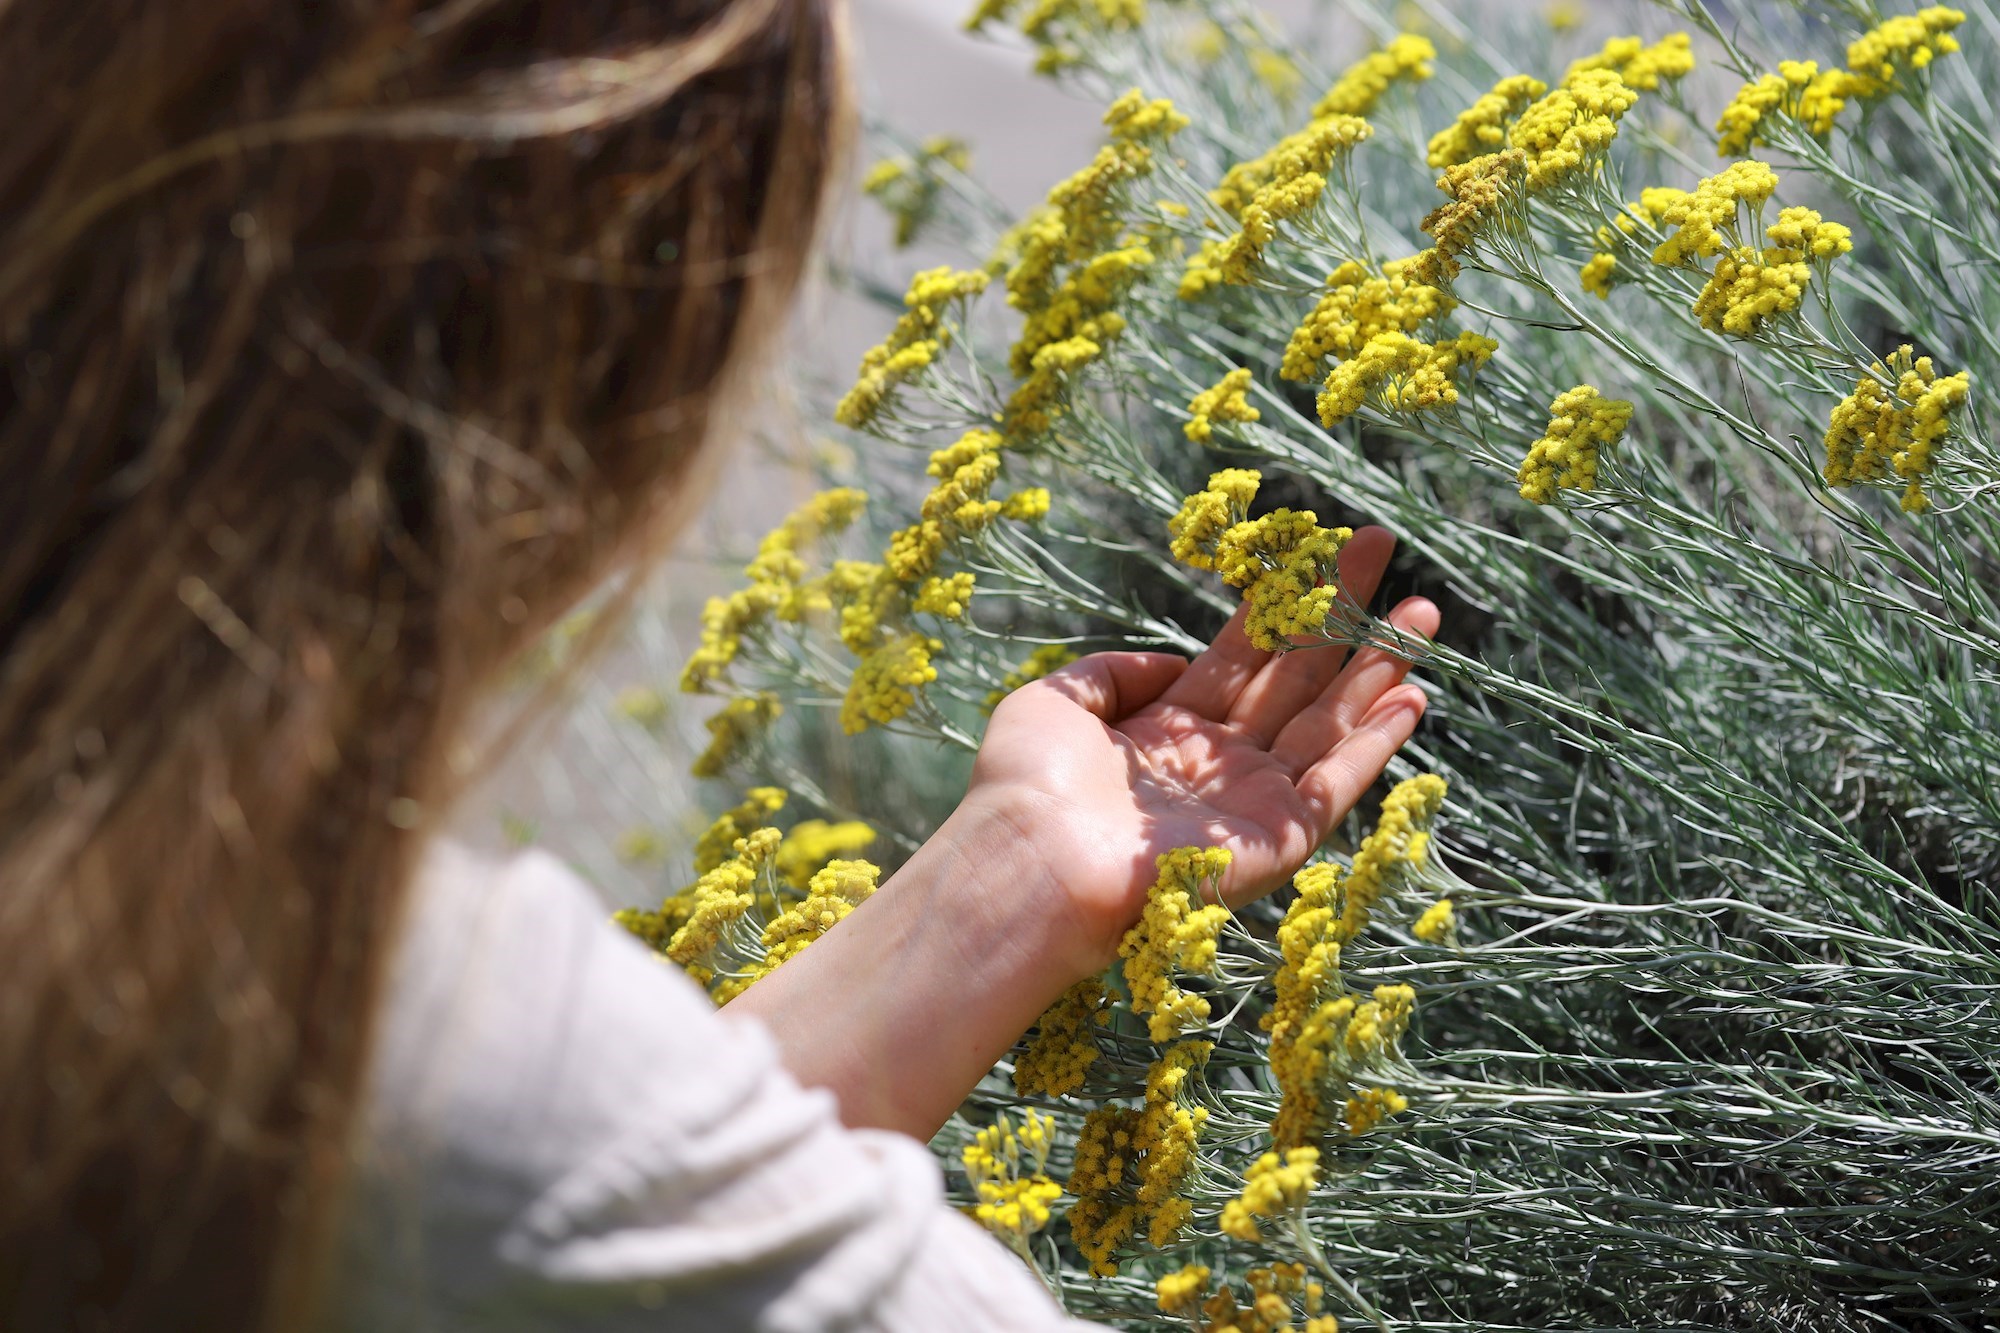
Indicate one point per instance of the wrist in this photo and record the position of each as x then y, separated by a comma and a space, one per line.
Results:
998, 869
903, 1006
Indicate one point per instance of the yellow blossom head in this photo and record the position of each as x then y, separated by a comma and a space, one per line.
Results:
1134, 116
1581, 422
1226, 400
1360, 87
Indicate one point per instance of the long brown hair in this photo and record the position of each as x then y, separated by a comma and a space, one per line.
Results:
342, 345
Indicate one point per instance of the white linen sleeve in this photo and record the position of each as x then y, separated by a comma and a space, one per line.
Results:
564, 1134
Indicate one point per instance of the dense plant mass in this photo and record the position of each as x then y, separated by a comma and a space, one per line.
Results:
1663, 988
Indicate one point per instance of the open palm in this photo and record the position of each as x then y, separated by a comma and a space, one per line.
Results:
1121, 756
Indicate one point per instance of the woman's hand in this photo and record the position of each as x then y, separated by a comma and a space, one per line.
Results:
1118, 757
1085, 777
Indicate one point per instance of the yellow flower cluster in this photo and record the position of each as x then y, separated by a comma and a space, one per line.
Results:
1132, 115
1484, 192
1482, 128
1814, 98
1402, 374
1566, 132
1601, 272
1438, 923
1272, 1187
1357, 306
1131, 1164
1804, 232
1064, 1044
1799, 90
1282, 183
1371, 1106
1210, 512
1311, 951
1203, 273
1565, 458
1168, 1133
1894, 420
833, 891
1283, 539
775, 586
813, 843
1269, 1292
1181, 1290
1317, 1037
1059, 27
1909, 41
778, 564
1639, 65
944, 596
717, 901
1704, 220
718, 843
1749, 286
1284, 560
908, 186
1027, 506
1176, 933
1307, 152
1275, 70
886, 681
739, 863
1225, 401
1006, 1167
1361, 85
876, 600
1039, 663
915, 341
1366, 323
654, 927
1337, 1037
740, 721
1378, 1024
1070, 265
1104, 1216
1394, 850
959, 506
867, 596
1080, 218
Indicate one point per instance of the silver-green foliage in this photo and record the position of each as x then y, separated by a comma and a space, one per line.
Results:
1718, 1045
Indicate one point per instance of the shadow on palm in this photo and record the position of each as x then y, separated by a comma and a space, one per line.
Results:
1120, 757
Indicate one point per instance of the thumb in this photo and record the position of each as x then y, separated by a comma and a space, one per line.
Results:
1112, 686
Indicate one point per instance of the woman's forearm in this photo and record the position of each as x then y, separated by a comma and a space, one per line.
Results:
901, 1008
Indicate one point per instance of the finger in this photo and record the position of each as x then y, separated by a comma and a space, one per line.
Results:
1291, 681
1210, 685
1111, 685
1332, 786
1341, 706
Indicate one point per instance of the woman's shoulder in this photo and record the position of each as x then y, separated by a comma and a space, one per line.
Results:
564, 1133
519, 1023
523, 1041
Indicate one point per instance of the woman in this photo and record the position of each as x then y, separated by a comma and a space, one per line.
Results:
345, 345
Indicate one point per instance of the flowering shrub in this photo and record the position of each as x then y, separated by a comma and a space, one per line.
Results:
1660, 989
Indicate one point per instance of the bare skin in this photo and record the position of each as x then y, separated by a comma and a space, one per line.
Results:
1084, 778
